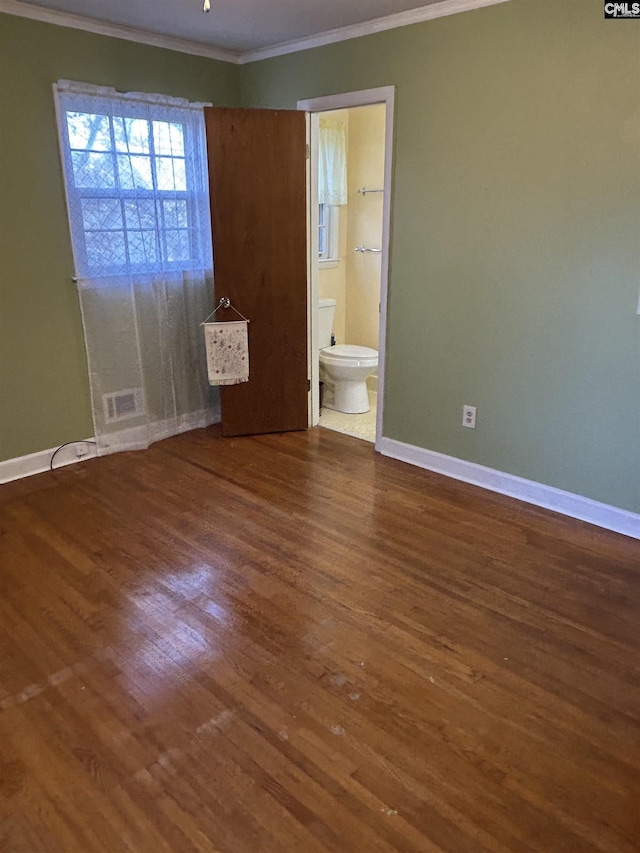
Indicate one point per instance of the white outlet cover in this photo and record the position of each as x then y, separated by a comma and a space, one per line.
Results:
469, 417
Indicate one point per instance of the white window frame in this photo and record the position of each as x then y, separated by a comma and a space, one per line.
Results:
331, 225
70, 98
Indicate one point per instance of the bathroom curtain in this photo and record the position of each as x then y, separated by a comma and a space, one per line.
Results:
137, 193
332, 162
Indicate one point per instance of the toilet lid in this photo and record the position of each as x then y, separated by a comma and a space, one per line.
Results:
349, 351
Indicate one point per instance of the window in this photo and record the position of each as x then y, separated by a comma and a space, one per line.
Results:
328, 232
136, 183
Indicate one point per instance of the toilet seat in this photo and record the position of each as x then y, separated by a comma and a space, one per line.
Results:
350, 354
344, 370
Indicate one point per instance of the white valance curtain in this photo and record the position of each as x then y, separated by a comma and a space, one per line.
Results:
332, 162
137, 192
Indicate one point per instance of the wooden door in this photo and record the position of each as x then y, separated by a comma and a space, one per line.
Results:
257, 180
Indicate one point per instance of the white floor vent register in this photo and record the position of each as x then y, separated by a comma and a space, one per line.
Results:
122, 405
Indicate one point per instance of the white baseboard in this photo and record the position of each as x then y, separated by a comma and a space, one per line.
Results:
566, 503
36, 463
139, 438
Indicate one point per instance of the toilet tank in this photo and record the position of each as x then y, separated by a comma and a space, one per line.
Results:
326, 310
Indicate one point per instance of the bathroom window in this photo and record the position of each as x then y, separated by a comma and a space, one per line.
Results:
328, 232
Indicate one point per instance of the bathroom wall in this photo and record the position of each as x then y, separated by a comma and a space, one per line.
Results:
364, 227
332, 278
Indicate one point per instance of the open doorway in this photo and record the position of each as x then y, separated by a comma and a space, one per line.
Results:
350, 206
348, 264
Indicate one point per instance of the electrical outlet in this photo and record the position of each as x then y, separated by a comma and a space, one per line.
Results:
469, 417
81, 451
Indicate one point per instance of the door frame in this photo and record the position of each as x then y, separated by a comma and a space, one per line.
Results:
314, 106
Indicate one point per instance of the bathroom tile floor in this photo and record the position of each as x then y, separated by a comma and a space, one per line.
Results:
359, 426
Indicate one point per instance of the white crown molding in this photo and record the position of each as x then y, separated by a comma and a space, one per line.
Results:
377, 25
104, 28
566, 503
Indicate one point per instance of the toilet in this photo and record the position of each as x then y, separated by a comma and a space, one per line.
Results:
343, 368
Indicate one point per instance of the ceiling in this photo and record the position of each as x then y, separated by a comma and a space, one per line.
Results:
239, 26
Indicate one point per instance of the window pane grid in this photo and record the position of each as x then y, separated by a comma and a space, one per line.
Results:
129, 182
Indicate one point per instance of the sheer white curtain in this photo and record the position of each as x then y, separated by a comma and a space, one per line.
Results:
137, 195
332, 162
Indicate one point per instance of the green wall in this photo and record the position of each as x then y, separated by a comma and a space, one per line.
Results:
44, 393
515, 266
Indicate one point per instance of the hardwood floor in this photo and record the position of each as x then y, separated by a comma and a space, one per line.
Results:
287, 643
